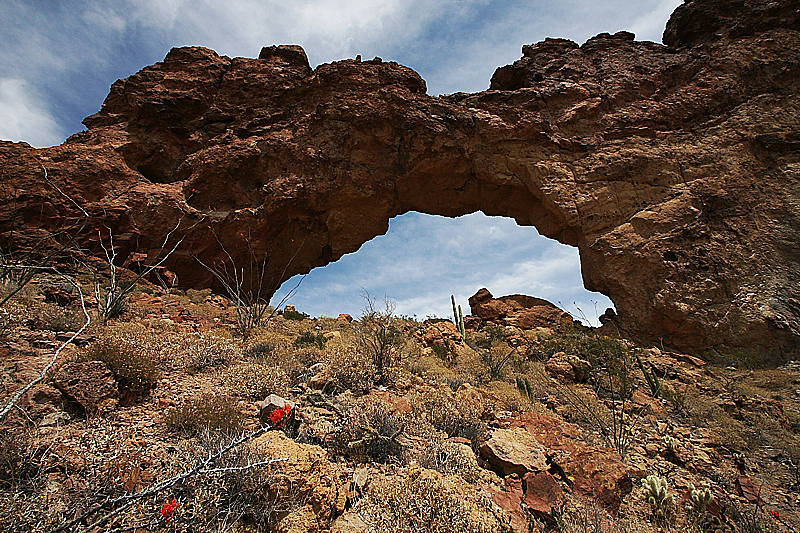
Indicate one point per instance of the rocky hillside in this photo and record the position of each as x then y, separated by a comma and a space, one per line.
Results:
673, 168
173, 415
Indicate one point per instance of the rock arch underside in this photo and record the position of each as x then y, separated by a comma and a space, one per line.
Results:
673, 168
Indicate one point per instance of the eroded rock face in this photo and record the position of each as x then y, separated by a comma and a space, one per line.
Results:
672, 168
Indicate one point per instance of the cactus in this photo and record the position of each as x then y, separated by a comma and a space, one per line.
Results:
458, 318
657, 495
700, 498
651, 377
524, 387
670, 444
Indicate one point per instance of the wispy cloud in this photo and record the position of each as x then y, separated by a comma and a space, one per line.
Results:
24, 116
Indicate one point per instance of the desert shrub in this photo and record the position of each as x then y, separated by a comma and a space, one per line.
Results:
612, 360
198, 297
509, 398
52, 317
259, 350
132, 353
350, 368
212, 412
452, 459
291, 314
381, 337
372, 430
263, 340
208, 350
242, 493
423, 500
256, 381
450, 413
20, 462
310, 339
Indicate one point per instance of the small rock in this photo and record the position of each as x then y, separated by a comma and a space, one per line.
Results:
270, 404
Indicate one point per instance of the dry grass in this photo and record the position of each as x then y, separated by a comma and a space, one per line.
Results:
422, 500
206, 413
256, 381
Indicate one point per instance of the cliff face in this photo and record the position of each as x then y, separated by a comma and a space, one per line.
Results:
674, 169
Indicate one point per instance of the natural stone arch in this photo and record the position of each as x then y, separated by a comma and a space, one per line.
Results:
673, 168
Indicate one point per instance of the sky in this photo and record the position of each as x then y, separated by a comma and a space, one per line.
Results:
59, 58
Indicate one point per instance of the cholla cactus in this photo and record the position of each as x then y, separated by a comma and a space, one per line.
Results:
657, 495
700, 498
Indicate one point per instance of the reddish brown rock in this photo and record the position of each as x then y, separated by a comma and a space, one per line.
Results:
671, 167
542, 494
595, 472
90, 384
525, 312
510, 500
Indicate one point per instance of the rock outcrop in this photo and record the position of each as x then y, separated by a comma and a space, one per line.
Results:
673, 168
524, 312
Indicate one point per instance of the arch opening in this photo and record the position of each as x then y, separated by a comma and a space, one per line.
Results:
423, 259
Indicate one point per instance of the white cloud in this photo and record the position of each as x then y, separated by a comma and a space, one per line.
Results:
24, 117
650, 27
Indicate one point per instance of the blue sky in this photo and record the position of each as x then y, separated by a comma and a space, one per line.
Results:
59, 58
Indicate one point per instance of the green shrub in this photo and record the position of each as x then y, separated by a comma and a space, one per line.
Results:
291, 314
310, 339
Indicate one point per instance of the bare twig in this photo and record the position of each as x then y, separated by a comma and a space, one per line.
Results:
119, 504
5, 410
249, 299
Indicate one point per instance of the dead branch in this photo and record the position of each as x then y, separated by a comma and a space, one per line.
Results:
119, 504
14, 399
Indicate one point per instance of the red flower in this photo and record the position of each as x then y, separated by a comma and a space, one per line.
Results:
168, 509
279, 415
775, 514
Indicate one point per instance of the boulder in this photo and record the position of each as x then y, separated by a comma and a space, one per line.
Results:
568, 368
90, 384
524, 312
306, 476
514, 451
270, 404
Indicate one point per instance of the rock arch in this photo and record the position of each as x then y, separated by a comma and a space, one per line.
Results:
672, 168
